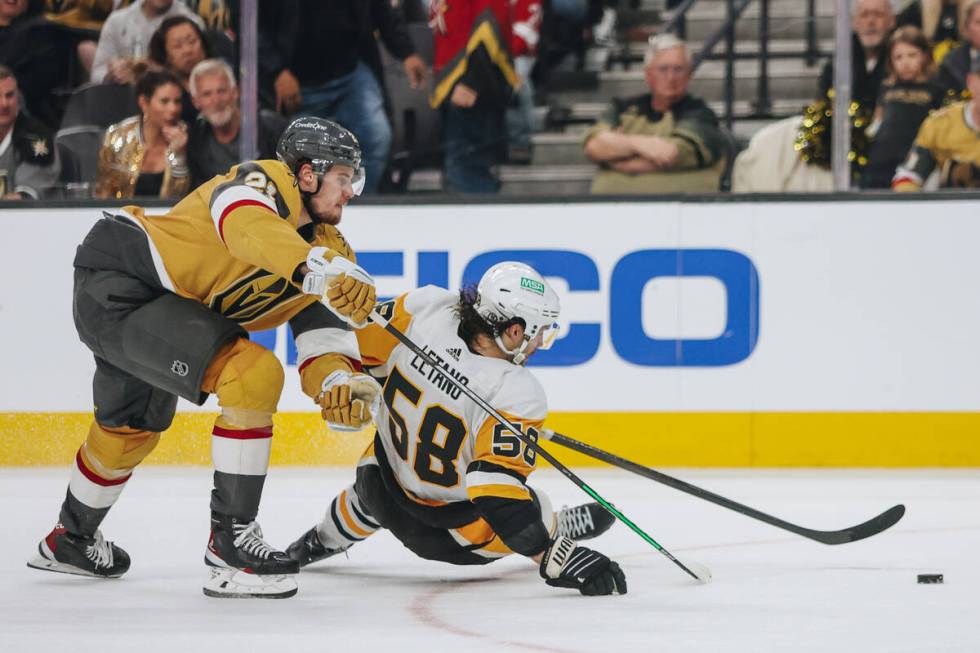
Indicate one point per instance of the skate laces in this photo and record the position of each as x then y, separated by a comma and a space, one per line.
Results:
249, 539
99, 551
575, 522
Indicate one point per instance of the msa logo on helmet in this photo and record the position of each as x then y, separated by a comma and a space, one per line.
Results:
532, 285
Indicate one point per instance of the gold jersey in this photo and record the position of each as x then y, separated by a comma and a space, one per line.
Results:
947, 139
233, 245
440, 445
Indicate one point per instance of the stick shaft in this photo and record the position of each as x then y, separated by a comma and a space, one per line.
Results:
529, 442
861, 531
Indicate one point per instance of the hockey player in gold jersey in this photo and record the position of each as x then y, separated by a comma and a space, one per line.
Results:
442, 475
165, 303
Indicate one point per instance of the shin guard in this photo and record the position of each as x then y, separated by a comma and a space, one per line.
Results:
103, 465
248, 379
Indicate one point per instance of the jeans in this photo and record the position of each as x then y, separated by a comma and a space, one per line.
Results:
355, 101
520, 115
473, 139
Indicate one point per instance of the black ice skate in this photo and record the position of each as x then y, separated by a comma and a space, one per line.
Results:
243, 565
66, 553
308, 549
584, 522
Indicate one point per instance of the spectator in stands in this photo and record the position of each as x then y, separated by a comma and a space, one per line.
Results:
178, 45
956, 64
940, 20
949, 140
126, 37
146, 155
218, 15
83, 19
523, 47
474, 81
28, 165
213, 146
907, 96
324, 60
664, 141
872, 21
40, 54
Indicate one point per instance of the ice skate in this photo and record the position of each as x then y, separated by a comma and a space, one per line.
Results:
243, 565
309, 548
66, 553
584, 522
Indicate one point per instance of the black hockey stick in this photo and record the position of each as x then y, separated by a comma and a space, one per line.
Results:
702, 574
871, 527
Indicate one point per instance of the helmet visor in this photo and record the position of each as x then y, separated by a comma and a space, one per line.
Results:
547, 336
358, 181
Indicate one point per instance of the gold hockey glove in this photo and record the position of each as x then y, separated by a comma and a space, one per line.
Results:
349, 401
352, 298
347, 289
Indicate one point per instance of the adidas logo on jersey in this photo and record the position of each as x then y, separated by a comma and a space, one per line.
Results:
454, 352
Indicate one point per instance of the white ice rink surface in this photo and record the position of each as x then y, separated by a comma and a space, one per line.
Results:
772, 591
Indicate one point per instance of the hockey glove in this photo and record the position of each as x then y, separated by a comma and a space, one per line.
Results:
347, 288
349, 401
565, 564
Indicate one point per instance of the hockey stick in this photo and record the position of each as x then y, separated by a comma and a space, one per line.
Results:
871, 527
702, 574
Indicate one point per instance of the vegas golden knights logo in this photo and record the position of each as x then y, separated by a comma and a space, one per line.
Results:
253, 296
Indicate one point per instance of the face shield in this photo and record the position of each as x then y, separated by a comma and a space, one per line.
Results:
358, 180
546, 336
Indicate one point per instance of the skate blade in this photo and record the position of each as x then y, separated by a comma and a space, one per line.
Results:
226, 583
42, 563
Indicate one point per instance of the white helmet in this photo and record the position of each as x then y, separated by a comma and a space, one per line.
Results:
511, 290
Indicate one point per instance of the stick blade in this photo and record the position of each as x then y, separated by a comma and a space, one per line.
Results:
873, 526
702, 572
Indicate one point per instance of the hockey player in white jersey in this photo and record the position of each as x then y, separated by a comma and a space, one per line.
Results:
441, 474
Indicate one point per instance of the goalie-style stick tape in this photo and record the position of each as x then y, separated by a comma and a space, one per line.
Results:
696, 571
871, 527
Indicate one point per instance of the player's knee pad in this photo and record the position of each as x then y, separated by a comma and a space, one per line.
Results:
248, 380
112, 452
547, 511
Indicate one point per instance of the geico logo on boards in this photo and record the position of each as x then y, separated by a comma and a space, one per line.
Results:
630, 275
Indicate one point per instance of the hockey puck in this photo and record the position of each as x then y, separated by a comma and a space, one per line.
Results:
930, 579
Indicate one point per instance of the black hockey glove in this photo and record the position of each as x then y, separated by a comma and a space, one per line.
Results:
565, 564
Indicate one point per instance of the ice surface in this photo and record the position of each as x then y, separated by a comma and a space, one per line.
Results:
772, 591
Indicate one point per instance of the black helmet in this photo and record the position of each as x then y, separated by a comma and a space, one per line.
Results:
323, 143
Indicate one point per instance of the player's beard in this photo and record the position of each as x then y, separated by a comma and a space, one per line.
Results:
220, 118
331, 216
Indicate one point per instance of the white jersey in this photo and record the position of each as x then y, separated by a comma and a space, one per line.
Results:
440, 445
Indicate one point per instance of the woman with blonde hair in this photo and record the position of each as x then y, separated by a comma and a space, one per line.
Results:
146, 155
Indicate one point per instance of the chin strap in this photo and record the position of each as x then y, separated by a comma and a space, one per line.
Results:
518, 353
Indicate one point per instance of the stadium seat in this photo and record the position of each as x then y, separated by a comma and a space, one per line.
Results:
100, 105
78, 149
416, 126
731, 149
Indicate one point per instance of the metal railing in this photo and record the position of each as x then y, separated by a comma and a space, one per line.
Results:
762, 105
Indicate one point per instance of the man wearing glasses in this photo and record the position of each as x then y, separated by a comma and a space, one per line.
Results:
665, 141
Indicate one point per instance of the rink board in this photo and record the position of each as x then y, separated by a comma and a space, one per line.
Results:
716, 334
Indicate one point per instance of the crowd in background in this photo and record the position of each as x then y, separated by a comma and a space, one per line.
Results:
914, 73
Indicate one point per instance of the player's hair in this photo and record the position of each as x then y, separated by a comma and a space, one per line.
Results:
158, 42
148, 83
471, 323
910, 35
660, 42
211, 67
